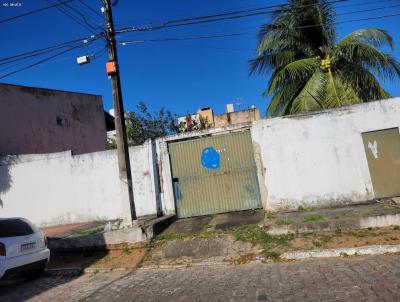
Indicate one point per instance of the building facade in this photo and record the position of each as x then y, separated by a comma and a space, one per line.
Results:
37, 120
205, 118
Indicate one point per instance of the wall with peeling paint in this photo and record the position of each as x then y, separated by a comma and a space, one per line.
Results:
60, 188
318, 159
315, 160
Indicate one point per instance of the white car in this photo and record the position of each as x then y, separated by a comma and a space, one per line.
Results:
23, 248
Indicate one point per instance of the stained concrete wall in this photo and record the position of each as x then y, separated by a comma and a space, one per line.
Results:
318, 159
60, 188
311, 160
36, 120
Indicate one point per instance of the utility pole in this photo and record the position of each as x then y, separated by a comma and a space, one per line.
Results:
124, 166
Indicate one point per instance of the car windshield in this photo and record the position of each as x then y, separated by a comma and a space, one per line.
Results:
16, 227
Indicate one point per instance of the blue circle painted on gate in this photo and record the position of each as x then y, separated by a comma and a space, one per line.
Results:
210, 158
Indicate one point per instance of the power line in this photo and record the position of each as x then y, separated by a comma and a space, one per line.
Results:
52, 48
70, 44
370, 18
354, 20
48, 58
35, 11
282, 6
364, 3
60, 45
368, 10
63, 10
317, 25
91, 9
239, 34
80, 14
182, 38
219, 17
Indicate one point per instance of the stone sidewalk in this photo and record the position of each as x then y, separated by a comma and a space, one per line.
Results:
373, 278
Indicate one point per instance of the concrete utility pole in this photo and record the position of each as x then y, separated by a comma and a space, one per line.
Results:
125, 176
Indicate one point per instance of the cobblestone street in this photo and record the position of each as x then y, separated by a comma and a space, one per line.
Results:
375, 278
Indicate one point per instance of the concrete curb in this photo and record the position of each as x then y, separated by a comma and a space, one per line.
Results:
93, 270
330, 225
296, 255
362, 250
172, 266
63, 272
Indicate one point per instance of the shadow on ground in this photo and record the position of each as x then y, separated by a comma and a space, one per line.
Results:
222, 221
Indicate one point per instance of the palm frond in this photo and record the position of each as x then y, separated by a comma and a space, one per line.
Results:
363, 82
282, 100
368, 56
373, 36
269, 61
301, 69
312, 96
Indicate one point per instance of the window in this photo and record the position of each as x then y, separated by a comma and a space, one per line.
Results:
12, 227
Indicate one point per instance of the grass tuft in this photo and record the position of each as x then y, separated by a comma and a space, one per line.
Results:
310, 218
283, 222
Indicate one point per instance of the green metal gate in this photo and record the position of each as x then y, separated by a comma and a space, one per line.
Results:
214, 174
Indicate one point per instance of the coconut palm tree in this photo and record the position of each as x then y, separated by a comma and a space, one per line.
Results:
309, 70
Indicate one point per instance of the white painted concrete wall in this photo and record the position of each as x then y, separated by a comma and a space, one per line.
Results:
58, 188
313, 160
319, 159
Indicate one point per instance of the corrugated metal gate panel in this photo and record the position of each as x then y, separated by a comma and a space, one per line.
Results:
231, 187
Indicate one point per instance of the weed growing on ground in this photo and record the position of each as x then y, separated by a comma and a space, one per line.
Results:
345, 215
338, 231
396, 228
358, 234
270, 215
87, 232
127, 250
256, 235
307, 234
272, 255
304, 208
283, 222
311, 218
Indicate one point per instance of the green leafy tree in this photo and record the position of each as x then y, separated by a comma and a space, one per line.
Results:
143, 125
309, 70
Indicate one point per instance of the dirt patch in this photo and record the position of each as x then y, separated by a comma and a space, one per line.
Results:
61, 231
123, 258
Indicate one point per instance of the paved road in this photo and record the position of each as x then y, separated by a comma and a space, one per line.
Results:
375, 278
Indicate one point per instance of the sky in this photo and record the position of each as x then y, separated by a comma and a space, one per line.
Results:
181, 76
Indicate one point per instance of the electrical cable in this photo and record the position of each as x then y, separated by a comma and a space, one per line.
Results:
238, 34
73, 17
80, 14
220, 16
47, 59
52, 47
90, 8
